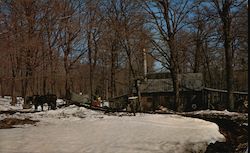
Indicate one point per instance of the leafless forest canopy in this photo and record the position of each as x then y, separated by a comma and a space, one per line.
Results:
97, 46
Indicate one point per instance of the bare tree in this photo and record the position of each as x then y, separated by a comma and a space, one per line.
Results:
134, 37
51, 32
22, 25
69, 39
226, 12
202, 31
126, 37
92, 20
96, 47
169, 18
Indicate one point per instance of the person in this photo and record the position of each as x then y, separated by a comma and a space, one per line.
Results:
132, 104
99, 100
132, 107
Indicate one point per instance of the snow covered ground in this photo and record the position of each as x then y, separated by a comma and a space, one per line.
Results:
79, 130
5, 104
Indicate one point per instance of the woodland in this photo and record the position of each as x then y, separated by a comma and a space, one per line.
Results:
97, 47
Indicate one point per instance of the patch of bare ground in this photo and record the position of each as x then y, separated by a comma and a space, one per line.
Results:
233, 127
11, 122
236, 138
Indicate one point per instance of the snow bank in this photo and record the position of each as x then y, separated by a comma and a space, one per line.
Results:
69, 113
225, 112
76, 129
5, 104
234, 116
115, 134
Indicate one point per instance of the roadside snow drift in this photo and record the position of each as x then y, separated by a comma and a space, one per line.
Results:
78, 130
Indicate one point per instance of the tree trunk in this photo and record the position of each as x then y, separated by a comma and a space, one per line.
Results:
66, 68
131, 72
44, 85
2, 90
178, 105
90, 77
226, 20
197, 55
90, 64
13, 92
229, 65
174, 69
25, 81
113, 86
44, 74
52, 76
67, 86
130, 82
205, 51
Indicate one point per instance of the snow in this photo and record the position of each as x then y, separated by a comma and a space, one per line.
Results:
5, 104
76, 129
222, 114
225, 112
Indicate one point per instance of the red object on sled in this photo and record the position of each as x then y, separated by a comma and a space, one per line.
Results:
96, 103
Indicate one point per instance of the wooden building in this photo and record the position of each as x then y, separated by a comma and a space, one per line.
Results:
157, 90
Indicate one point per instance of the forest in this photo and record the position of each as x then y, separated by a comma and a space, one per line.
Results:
98, 47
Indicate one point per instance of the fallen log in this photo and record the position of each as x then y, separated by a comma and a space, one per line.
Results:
11, 112
238, 118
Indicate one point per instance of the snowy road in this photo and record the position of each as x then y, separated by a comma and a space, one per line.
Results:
79, 130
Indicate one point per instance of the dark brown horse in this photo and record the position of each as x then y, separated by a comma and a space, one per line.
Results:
40, 100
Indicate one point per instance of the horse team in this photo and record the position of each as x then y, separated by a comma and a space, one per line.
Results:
40, 100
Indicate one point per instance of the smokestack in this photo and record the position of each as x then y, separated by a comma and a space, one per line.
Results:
145, 63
